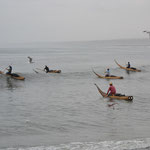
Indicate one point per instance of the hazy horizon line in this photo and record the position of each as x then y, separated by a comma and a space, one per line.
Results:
67, 41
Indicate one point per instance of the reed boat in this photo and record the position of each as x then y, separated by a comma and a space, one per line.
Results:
54, 71
14, 76
121, 97
129, 69
109, 77
51, 71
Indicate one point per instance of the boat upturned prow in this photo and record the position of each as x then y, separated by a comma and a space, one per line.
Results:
121, 97
109, 77
128, 69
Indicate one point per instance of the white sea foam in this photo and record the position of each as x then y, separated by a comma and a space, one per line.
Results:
138, 144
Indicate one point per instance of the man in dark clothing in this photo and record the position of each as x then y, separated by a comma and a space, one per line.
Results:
9, 70
128, 65
46, 69
30, 59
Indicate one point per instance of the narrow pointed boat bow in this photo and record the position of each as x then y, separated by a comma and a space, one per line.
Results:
121, 97
109, 77
129, 69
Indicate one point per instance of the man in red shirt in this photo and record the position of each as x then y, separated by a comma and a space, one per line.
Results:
111, 90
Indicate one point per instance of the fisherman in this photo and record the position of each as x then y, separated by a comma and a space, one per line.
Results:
9, 70
107, 73
128, 65
46, 69
30, 59
111, 90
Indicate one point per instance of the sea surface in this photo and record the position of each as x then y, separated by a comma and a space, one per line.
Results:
65, 111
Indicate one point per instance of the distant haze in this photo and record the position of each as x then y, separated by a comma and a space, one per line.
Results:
73, 20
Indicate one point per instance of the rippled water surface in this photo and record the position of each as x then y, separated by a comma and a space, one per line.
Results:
65, 111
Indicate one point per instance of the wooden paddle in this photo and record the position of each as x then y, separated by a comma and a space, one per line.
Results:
40, 69
2, 72
35, 71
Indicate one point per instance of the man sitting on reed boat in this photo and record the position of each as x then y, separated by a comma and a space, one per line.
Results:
111, 90
47, 69
128, 65
107, 73
9, 70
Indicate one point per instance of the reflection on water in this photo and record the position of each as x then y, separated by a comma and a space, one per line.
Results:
127, 71
10, 84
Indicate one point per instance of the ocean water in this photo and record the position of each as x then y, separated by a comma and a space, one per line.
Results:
65, 111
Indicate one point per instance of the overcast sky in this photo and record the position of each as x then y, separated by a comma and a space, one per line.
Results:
73, 20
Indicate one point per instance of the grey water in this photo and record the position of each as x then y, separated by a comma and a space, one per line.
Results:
65, 111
